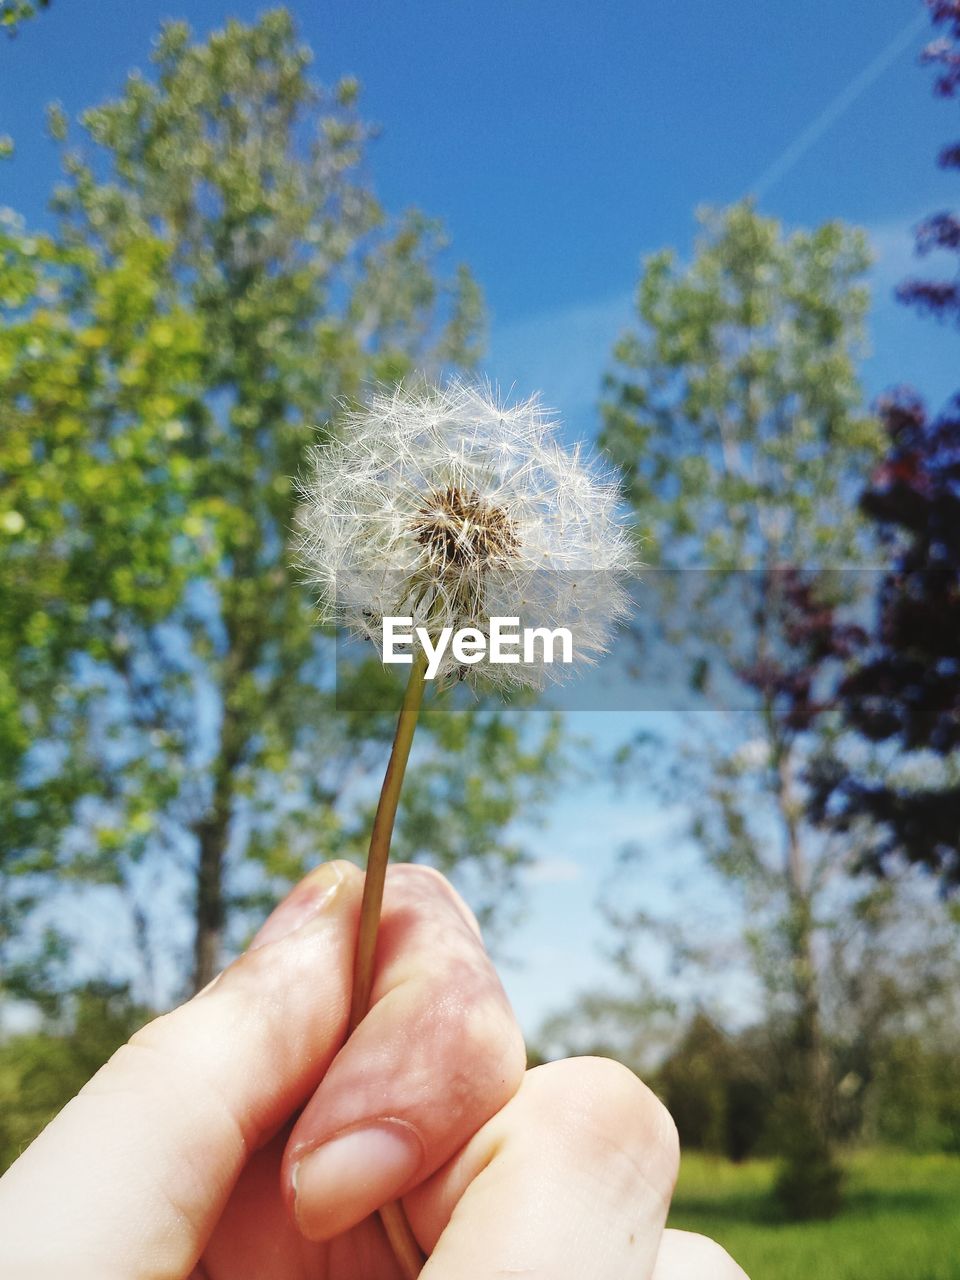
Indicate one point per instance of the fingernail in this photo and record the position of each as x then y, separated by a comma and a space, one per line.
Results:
311, 895
362, 1169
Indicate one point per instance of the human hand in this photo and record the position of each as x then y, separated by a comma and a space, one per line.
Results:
197, 1152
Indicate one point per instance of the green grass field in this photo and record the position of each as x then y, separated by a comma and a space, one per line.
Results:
901, 1220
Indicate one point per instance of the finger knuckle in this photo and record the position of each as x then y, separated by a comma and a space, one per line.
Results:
407, 874
347, 871
489, 1046
614, 1112
426, 882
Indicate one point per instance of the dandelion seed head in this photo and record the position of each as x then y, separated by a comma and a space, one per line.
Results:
448, 506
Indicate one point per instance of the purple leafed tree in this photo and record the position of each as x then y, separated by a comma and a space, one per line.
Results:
904, 694
941, 298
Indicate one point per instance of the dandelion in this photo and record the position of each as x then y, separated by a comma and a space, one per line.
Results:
444, 507
447, 507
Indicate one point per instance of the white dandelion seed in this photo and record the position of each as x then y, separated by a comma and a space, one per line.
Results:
443, 505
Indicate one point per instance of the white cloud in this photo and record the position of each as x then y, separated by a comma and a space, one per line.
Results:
907, 347
554, 871
562, 353
565, 352
895, 256
892, 244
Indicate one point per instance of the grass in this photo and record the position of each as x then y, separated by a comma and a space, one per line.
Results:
901, 1220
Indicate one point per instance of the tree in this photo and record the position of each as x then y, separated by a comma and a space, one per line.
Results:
902, 794
735, 412
714, 1087
227, 280
894, 778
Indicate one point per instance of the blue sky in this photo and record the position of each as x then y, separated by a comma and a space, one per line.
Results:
560, 142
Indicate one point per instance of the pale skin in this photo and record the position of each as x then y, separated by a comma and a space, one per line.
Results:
191, 1154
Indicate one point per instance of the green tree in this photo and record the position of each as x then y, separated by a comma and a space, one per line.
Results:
735, 412
714, 1087
227, 280
70, 375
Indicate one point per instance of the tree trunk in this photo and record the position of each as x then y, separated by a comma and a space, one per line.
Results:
212, 833
808, 1039
810, 1181
209, 911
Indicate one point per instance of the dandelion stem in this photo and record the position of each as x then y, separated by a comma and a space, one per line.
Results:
401, 1237
402, 1240
380, 838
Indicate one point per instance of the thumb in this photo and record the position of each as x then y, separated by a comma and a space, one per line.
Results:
133, 1174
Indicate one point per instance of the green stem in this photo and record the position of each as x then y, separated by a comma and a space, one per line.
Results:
401, 1237
380, 838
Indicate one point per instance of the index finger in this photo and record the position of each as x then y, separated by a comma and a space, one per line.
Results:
131, 1177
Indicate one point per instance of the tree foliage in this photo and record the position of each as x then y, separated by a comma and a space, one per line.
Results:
82, 522
896, 785
736, 395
